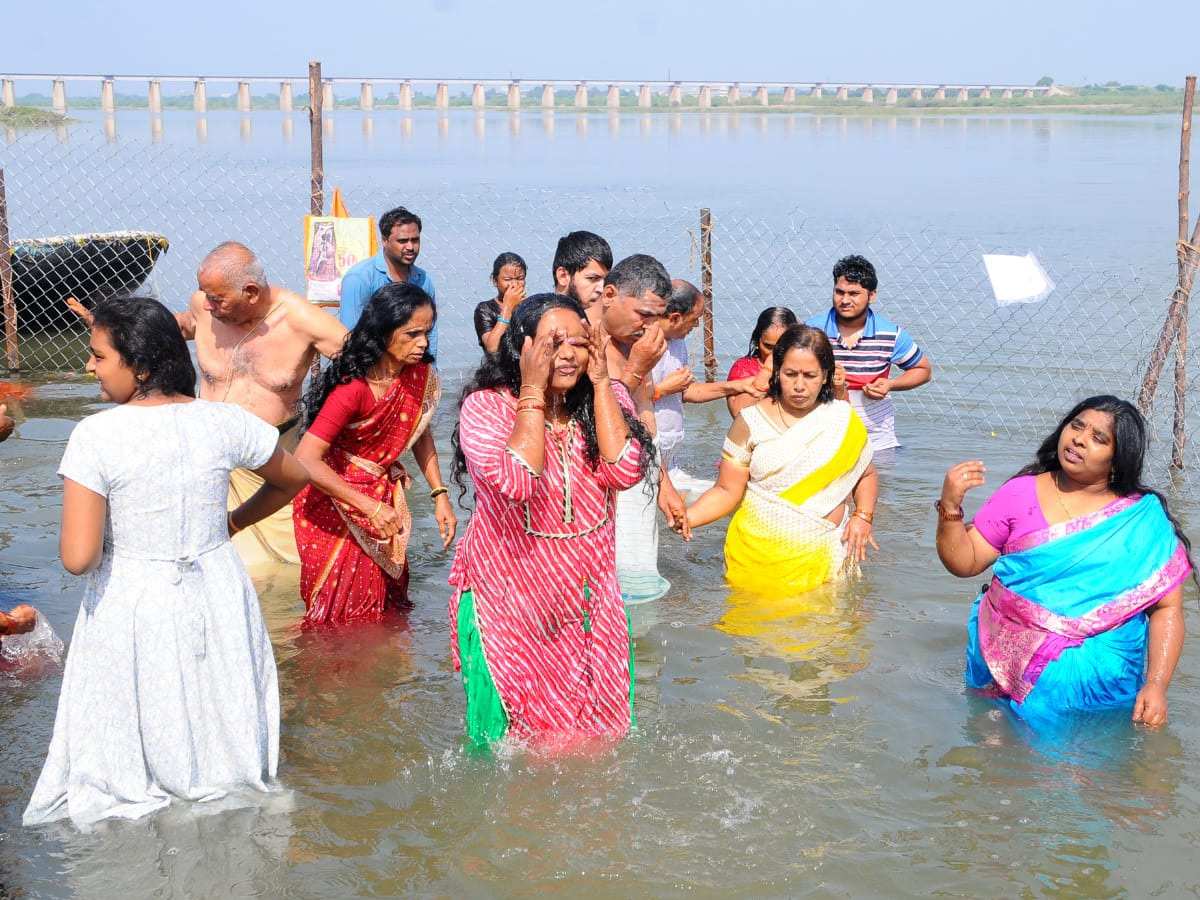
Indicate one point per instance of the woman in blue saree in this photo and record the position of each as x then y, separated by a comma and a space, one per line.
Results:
1085, 607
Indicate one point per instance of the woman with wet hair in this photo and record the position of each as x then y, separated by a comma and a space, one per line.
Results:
1084, 609
540, 631
169, 688
798, 469
370, 405
494, 315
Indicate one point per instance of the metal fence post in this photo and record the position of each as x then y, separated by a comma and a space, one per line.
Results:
706, 286
6, 286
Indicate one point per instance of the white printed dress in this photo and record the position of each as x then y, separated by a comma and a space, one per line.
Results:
170, 686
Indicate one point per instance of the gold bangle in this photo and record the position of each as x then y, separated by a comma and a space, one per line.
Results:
867, 517
372, 516
233, 526
437, 491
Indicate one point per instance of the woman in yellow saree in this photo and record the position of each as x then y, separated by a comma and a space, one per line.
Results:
791, 465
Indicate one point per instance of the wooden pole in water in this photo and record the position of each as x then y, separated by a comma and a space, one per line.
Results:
1174, 329
6, 286
315, 117
706, 286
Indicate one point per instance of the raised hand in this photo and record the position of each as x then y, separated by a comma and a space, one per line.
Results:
80, 310
598, 341
537, 358
960, 479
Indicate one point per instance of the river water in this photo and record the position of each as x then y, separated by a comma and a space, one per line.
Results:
823, 748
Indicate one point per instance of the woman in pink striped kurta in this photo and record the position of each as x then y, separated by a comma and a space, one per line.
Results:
541, 633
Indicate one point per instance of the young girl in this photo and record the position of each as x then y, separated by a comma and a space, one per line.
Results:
492, 317
170, 686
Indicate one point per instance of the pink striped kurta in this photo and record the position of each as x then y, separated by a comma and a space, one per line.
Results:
559, 662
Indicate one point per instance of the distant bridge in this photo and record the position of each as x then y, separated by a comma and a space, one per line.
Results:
759, 93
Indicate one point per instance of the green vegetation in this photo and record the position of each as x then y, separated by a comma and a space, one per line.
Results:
30, 117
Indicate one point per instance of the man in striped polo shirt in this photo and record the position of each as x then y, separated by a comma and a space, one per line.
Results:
867, 345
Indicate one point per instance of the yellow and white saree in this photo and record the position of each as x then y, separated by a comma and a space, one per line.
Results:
779, 541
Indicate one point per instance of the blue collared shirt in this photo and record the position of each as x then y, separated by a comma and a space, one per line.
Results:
365, 278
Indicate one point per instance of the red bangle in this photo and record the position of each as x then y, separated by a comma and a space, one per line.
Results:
945, 515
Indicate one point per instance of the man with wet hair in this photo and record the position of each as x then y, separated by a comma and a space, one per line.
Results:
673, 383
867, 345
581, 262
400, 231
631, 303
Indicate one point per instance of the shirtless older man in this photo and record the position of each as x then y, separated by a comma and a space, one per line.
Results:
255, 343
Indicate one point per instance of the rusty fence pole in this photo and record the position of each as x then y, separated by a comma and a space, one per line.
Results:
706, 286
11, 344
315, 121
1174, 329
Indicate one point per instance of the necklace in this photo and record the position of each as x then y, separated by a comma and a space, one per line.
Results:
1058, 494
242, 340
782, 421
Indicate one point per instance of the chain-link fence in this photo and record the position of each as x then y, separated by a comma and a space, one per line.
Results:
1003, 369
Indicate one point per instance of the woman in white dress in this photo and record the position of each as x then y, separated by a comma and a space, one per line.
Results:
170, 686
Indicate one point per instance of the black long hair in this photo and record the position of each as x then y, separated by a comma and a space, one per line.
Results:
389, 308
146, 336
501, 371
804, 337
769, 317
1129, 454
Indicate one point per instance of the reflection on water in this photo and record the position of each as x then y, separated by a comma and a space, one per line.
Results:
824, 747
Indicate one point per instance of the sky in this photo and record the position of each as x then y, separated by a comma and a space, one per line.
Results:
1014, 42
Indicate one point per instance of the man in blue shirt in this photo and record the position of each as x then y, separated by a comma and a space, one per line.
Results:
396, 261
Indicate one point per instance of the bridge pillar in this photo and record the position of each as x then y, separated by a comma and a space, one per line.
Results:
675, 96
155, 99
285, 96
441, 99
1029, 95
735, 94
108, 100
406, 95
962, 95
366, 97
760, 96
581, 95
985, 94
327, 100
8, 97
868, 94
478, 97
644, 101
243, 96
843, 93
817, 91
58, 100
1007, 94
917, 94
514, 95
548, 96
891, 97
704, 101
200, 96
614, 97
789, 95
939, 94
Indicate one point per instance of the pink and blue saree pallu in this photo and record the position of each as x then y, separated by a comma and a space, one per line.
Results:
1063, 624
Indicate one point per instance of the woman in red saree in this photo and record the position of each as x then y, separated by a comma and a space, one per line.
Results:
370, 405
